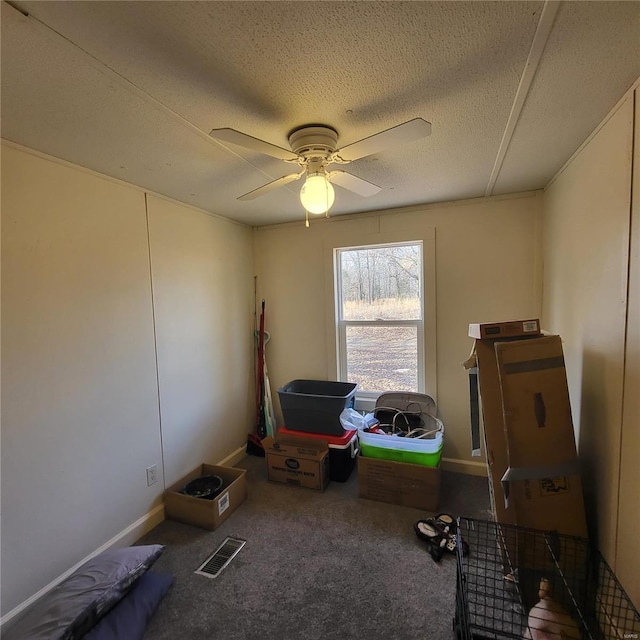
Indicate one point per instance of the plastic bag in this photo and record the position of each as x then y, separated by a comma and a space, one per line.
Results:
351, 419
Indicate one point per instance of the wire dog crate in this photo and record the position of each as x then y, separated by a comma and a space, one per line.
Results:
536, 585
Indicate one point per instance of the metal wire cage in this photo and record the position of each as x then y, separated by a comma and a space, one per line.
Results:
536, 585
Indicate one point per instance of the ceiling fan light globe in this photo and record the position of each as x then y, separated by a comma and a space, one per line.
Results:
317, 194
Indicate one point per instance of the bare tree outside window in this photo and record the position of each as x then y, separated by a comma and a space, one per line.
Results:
380, 316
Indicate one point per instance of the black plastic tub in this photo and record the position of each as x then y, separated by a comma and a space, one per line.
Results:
314, 406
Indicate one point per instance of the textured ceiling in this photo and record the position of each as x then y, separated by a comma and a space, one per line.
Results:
132, 89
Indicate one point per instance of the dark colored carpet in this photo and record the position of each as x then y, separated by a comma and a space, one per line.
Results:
327, 566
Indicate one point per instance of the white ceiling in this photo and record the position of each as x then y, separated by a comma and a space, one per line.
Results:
132, 89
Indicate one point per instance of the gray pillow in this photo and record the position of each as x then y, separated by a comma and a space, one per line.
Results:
71, 608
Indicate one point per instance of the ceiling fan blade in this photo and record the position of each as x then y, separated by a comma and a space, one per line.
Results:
353, 183
249, 142
274, 184
406, 132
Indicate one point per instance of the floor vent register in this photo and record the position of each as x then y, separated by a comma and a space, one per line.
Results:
223, 555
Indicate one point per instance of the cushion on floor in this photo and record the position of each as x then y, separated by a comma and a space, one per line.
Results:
76, 605
129, 618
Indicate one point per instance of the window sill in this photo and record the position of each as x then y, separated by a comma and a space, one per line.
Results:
366, 404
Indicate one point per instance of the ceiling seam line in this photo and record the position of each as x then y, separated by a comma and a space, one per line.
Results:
119, 181
538, 44
127, 84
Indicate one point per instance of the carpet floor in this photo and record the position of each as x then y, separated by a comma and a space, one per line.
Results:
317, 565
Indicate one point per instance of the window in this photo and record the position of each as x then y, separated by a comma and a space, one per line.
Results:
379, 313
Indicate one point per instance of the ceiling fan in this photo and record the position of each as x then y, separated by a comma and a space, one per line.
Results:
313, 149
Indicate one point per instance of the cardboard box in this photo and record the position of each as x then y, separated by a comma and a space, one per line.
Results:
490, 400
297, 460
544, 486
409, 485
509, 329
208, 514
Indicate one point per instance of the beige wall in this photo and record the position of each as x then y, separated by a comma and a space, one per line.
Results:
486, 268
628, 547
203, 300
80, 399
586, 258
98, 276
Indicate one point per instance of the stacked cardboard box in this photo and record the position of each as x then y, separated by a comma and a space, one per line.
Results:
528, 432
297, 460
409, 485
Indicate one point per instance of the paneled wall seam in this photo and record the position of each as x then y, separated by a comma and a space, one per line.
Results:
634, 128
155, 336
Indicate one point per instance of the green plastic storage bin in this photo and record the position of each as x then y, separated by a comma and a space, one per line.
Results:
398, 455
424, 451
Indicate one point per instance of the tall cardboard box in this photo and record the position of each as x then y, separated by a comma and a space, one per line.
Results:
543, 480
490, 398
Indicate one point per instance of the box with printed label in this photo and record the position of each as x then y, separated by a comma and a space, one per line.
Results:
300, 461
203, 512
510, 329
343, 451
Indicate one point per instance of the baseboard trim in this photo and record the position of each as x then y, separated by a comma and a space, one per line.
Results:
234, 457
125, 538
469, 467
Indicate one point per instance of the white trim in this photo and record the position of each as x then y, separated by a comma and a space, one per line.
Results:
414, 208
126, 537
543, 30
365, 403
233, 458
469, 467
342, 325
381, 323
421, 233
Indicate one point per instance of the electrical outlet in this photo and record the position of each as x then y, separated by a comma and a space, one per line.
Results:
151, 475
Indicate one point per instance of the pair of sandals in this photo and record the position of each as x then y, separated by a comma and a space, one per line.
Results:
440, 535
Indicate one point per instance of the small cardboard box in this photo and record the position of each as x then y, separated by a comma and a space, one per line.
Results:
509, 329
208, 514
546, 488
297, 460
409, 485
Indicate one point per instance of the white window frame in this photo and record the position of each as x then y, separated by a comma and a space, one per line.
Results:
342, 324
383, 230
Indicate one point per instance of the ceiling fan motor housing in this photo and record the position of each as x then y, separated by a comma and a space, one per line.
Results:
317, 141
